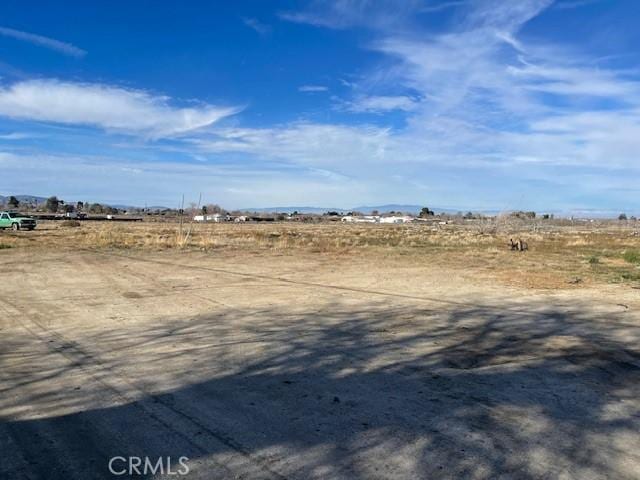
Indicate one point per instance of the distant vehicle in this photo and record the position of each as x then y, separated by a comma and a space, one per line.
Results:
16, 221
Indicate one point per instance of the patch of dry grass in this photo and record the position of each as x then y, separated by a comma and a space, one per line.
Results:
560, 256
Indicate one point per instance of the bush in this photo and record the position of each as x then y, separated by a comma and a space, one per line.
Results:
70, 223
630, 276
594, 260
4, 245
52, 204
631, 256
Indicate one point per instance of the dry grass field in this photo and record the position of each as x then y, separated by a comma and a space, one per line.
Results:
321, 350
561, 255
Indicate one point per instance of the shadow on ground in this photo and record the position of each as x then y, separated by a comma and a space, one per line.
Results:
383, 391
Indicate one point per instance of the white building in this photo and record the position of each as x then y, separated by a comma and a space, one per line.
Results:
362, 219
396, 219
215, 217
377, 219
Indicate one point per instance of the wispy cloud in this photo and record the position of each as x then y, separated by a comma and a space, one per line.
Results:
479, 100
312, 88
502, 16
439, 7
162, 182
488, 99
380, 103
311, 144
108, 107
253, 23
16, 136
342, 14
50, 43
569, 4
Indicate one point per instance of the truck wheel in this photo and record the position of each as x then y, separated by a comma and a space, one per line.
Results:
15, 227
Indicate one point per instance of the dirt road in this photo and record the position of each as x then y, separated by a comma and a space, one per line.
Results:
279, 366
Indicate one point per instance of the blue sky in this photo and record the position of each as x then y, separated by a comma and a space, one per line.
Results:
470, 104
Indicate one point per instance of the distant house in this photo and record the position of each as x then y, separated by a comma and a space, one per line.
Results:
214, 217
361, 219
218, 217
377, 219
396, 219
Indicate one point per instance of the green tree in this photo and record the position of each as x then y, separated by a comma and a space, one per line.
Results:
622, 216
13, 202
425, 212
52, 204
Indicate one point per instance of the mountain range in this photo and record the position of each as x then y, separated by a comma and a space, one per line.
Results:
366, 209
23, 199
392, 207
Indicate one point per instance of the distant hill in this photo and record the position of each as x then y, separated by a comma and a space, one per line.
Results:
23, 198
391, 207
415, 209
318, 210
129, 207
28, 199
366, 209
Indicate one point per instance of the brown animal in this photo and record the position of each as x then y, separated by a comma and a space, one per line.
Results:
520, 245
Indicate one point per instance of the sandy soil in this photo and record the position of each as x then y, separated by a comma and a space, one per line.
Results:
307, 366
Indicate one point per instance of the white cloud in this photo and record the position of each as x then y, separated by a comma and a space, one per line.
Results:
117, 181
574, 4
255, 24
309, 144
104, 106
483, 103
438, 7
381, 103
16, 136
50, 43
312, 88
491, 118
572, 81
340, 14
504, 16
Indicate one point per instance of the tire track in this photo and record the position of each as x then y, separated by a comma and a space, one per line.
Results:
151, 404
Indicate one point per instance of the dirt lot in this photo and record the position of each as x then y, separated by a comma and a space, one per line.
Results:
259, 358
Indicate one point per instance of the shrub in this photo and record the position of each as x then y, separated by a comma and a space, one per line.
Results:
630, 276
70, 223
631, 256
5, 245
52, 204
594, 260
